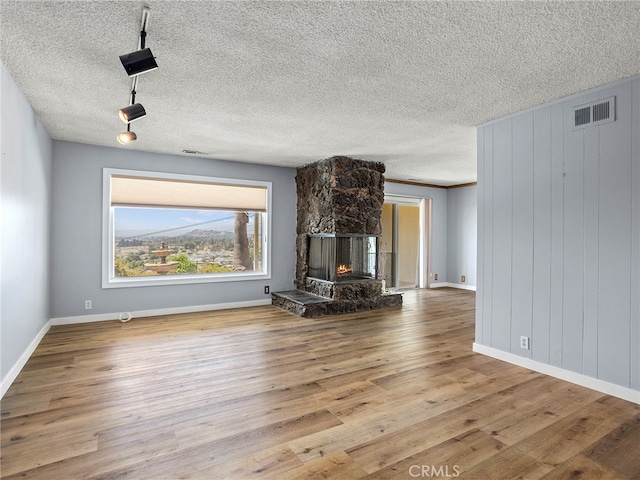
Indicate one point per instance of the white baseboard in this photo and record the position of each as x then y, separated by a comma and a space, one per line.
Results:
557, 372
22, 361
453, 285
101, 317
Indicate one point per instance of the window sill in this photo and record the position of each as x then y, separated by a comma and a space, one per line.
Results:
155, 281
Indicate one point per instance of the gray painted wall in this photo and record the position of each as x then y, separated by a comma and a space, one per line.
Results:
559, 237
25, 179
76, 244
462, 206
438, 222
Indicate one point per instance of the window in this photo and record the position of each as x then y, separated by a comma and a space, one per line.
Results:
164, 229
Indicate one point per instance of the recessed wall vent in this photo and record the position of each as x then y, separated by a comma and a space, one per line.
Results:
600, 111
582, 116
594, 113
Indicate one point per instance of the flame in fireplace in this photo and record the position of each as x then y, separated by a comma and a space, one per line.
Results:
343, 269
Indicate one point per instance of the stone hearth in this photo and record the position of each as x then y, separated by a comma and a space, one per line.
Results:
341, 199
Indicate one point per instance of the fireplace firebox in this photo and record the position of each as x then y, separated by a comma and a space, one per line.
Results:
342, 258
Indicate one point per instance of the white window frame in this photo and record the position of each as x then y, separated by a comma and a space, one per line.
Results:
109, 280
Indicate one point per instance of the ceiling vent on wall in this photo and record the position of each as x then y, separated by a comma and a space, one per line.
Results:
594, 113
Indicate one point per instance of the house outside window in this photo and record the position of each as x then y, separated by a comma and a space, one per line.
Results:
161, 229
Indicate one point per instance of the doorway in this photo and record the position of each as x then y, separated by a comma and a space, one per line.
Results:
404, 241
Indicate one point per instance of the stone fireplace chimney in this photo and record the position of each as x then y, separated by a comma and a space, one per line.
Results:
339, 211
337, 196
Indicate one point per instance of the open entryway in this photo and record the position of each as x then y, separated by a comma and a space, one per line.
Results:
405, 241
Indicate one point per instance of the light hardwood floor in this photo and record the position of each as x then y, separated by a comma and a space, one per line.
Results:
259, 393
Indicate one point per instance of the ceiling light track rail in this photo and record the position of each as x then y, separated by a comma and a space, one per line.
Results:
143, 27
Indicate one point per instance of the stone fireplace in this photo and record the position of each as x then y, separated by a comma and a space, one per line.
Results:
339, 206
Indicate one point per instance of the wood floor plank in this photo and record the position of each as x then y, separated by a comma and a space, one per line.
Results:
395, 446
549, 402
200, 455
510, 463
260, 393
274, 463
557, 443
616, 450
364, 428
580, 467
568, 436
450, 458
356, 399
22, 452
336, 465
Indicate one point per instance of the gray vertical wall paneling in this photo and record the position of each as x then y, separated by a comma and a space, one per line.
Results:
487, 255
591, 196
480, 236
634, 334
585, 230
557, 235
573, 301
615, 241
541, 314
502, 234
522, 257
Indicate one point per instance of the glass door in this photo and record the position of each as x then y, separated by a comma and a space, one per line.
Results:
400, 242
408, 242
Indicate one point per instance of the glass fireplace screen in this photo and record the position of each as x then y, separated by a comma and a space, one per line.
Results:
342, 258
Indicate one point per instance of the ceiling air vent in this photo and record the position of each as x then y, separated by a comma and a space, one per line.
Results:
194, 152
594, 113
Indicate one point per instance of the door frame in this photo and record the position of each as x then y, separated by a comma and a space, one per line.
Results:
424, 242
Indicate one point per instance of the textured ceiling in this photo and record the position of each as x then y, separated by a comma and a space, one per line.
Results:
288, 83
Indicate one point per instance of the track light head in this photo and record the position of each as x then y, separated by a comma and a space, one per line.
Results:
127, 137
138, 62
131, 113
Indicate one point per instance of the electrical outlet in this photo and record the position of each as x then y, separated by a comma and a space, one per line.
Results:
435, 277
524, 343
88, 305
463, 279
267, 290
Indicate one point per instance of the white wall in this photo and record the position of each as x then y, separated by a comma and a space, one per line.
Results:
25, 179
559, 237
77, 232
462, 208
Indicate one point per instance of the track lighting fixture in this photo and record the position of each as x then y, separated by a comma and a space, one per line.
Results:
127, 137
131, 113
136, 63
